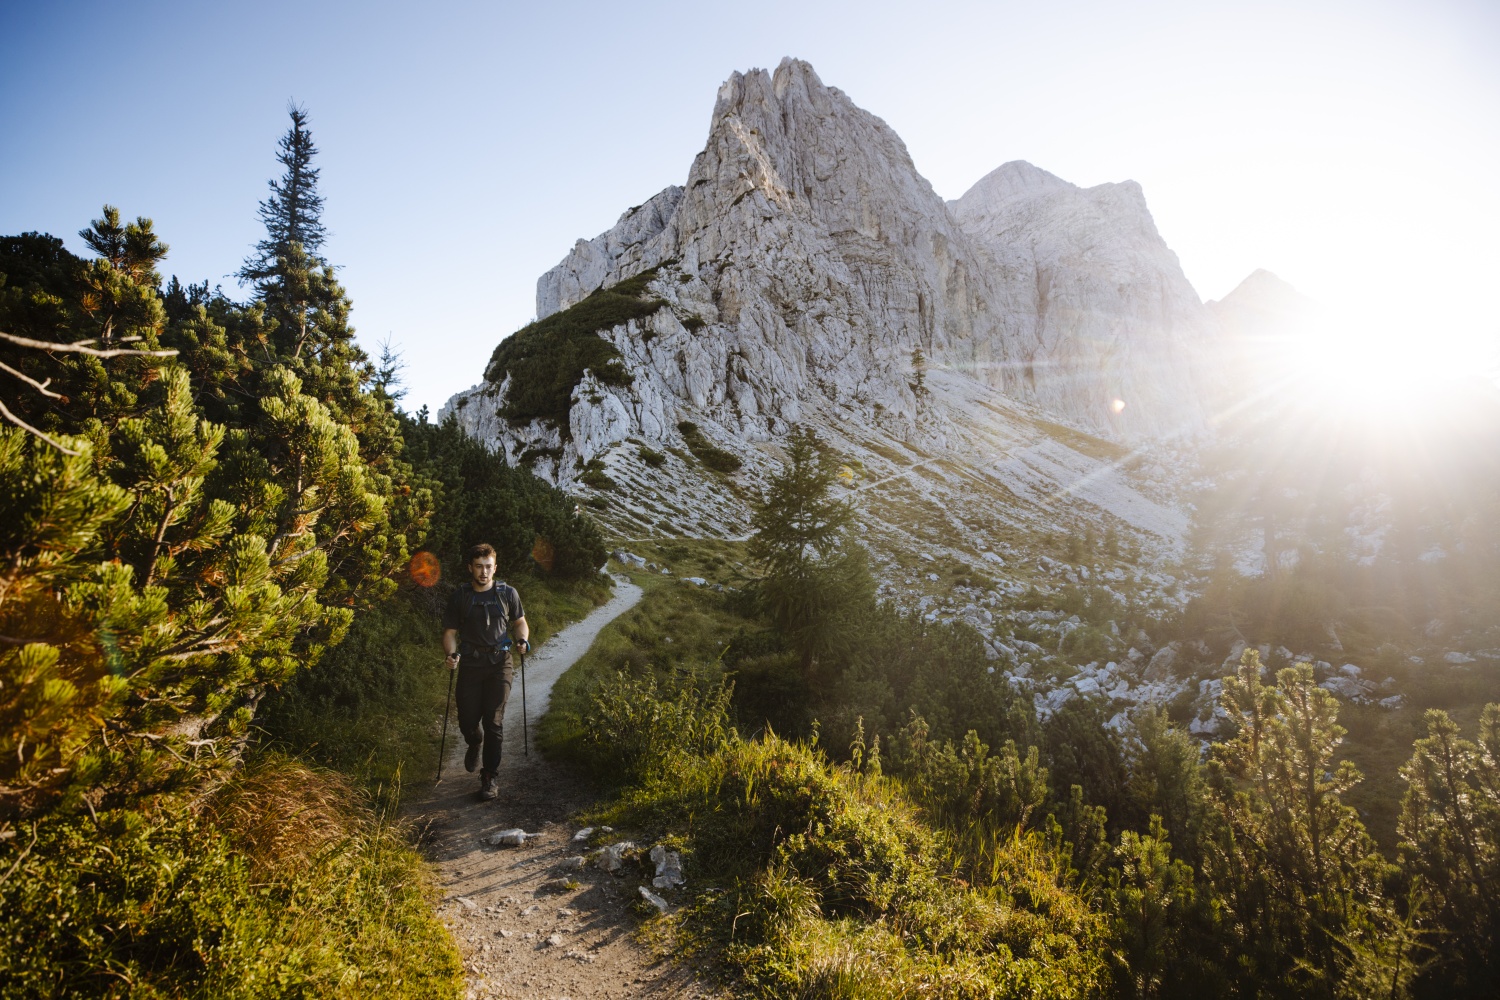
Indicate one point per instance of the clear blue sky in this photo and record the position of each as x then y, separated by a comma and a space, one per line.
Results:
1350, 147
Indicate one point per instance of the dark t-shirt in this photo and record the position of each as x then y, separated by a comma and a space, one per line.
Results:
481, 617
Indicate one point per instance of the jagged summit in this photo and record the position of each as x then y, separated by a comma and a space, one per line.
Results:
1094, 300
1264, 291
1012, 180
819, 242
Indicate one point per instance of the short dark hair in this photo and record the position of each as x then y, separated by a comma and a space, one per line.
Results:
479, 551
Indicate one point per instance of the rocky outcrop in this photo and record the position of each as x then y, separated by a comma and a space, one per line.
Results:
1097, 310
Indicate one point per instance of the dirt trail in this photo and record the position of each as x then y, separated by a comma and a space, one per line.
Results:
529, 921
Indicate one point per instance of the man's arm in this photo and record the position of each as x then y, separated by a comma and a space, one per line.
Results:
450, 646
521, 630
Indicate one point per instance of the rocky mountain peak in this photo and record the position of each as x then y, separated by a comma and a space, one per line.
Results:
807, 273
1263, 291
1008, 182
1111, 331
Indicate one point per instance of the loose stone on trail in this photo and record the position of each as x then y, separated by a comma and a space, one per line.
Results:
613, 856
515, 837
668, 868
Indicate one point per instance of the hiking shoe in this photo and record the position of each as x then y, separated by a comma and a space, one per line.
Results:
471, 757
487, 789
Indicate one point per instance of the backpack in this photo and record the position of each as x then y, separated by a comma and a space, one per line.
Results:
495, 605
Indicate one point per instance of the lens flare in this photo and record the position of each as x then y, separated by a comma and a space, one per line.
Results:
425, 569
543, 553
1117, 406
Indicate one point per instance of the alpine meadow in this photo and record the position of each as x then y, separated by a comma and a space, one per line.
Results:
926, 598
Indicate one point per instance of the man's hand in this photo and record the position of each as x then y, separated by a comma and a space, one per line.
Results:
452, 661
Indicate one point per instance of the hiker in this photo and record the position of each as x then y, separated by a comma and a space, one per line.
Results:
481, 624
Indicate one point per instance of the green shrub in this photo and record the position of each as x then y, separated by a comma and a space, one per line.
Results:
713, 458
637, 732
836, 889
367, 707
548, 358
287, 884
595, 477
655, 459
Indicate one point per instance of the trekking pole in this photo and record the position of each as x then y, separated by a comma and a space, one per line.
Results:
447, 710
525, 740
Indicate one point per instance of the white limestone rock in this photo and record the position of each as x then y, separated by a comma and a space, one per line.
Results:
1095, 303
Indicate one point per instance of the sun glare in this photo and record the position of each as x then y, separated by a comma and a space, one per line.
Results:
1378, 363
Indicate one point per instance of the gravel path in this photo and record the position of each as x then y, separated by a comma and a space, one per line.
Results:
529, 920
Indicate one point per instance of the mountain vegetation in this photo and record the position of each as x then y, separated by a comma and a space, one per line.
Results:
867, 808
202, 500
546, 360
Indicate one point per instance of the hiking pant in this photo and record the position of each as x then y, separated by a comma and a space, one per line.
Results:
483, 689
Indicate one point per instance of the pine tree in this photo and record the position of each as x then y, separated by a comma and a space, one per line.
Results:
1293, 862
293, 215
173, 549
132, 248
1450, 840
918, 373
817, 579
1150, 896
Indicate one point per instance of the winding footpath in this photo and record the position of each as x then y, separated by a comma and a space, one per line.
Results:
531, 921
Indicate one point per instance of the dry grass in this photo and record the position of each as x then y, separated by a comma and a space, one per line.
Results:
279, 810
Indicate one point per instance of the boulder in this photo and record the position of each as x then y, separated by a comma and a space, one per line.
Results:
1160, 666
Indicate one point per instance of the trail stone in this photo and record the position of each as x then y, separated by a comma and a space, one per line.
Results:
611, 858
668, 868
654, 899
515, 837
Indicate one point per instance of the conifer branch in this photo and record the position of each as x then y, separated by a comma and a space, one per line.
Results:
40, 387
81, 347
5, 412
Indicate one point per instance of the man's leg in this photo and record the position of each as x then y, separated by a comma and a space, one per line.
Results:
469, 691
496, 695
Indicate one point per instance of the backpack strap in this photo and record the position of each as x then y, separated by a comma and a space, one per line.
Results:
476, 595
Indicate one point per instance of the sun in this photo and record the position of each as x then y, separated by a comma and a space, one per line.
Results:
1373, 363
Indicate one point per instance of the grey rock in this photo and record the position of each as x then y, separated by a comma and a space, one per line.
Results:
612, 858
668, 868
515, 837
1349, 688
1160, 666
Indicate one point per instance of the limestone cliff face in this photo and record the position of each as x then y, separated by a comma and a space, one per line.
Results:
1095, 304
817, 255
806, 266
822, 262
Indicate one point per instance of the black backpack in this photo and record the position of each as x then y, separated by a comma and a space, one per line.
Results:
496, 605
